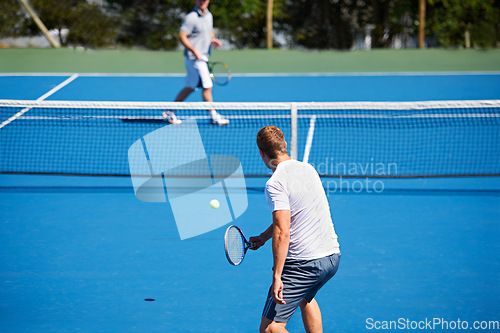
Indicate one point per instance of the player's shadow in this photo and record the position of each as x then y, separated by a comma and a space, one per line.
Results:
146, 121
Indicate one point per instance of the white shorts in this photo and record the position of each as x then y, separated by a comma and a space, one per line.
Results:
197, 74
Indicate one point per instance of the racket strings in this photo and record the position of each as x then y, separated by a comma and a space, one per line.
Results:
220, 73
235, 245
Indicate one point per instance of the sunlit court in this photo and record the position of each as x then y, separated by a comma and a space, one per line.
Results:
81, 252
117, 191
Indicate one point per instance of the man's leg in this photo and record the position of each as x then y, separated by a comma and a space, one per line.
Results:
311, 316
183, 94
269, 326
207, 95
170, 114
216, 118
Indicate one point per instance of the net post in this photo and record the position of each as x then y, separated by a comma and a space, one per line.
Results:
293, 139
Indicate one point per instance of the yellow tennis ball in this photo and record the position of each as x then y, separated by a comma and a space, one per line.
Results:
214, 204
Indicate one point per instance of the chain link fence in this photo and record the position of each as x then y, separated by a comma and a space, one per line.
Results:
319, 24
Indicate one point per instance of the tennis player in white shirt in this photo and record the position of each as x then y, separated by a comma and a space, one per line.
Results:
306, 252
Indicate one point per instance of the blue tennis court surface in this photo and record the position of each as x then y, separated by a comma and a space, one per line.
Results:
81, 254
330, 88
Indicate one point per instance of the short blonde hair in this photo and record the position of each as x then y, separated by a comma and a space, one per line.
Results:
271, 141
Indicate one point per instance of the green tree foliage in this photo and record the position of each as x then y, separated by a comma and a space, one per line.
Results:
91, 27
13, 20
153, 24
86, 23
318, 24
332, 24
243, 22
321, 24
464, 22
389, 18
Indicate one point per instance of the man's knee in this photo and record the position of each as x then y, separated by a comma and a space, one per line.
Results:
264, 324
269, 326
274, 327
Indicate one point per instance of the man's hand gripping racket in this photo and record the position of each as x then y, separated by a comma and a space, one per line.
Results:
237, 245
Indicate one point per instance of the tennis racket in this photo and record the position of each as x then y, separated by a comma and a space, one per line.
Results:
236, 245
219, 72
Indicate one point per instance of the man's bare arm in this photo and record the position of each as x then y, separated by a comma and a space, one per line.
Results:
281, 241
183, 37
259, 241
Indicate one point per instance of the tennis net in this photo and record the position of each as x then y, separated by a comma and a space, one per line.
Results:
372, 139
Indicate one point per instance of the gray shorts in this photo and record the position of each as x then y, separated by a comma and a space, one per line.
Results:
301, 280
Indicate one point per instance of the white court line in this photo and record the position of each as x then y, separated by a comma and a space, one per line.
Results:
269, 116
367, 74
58, 87
322, 74
39, 99
309, 141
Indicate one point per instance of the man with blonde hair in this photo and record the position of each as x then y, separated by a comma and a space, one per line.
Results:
306, 252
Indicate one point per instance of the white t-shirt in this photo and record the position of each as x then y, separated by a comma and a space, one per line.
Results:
296, 186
